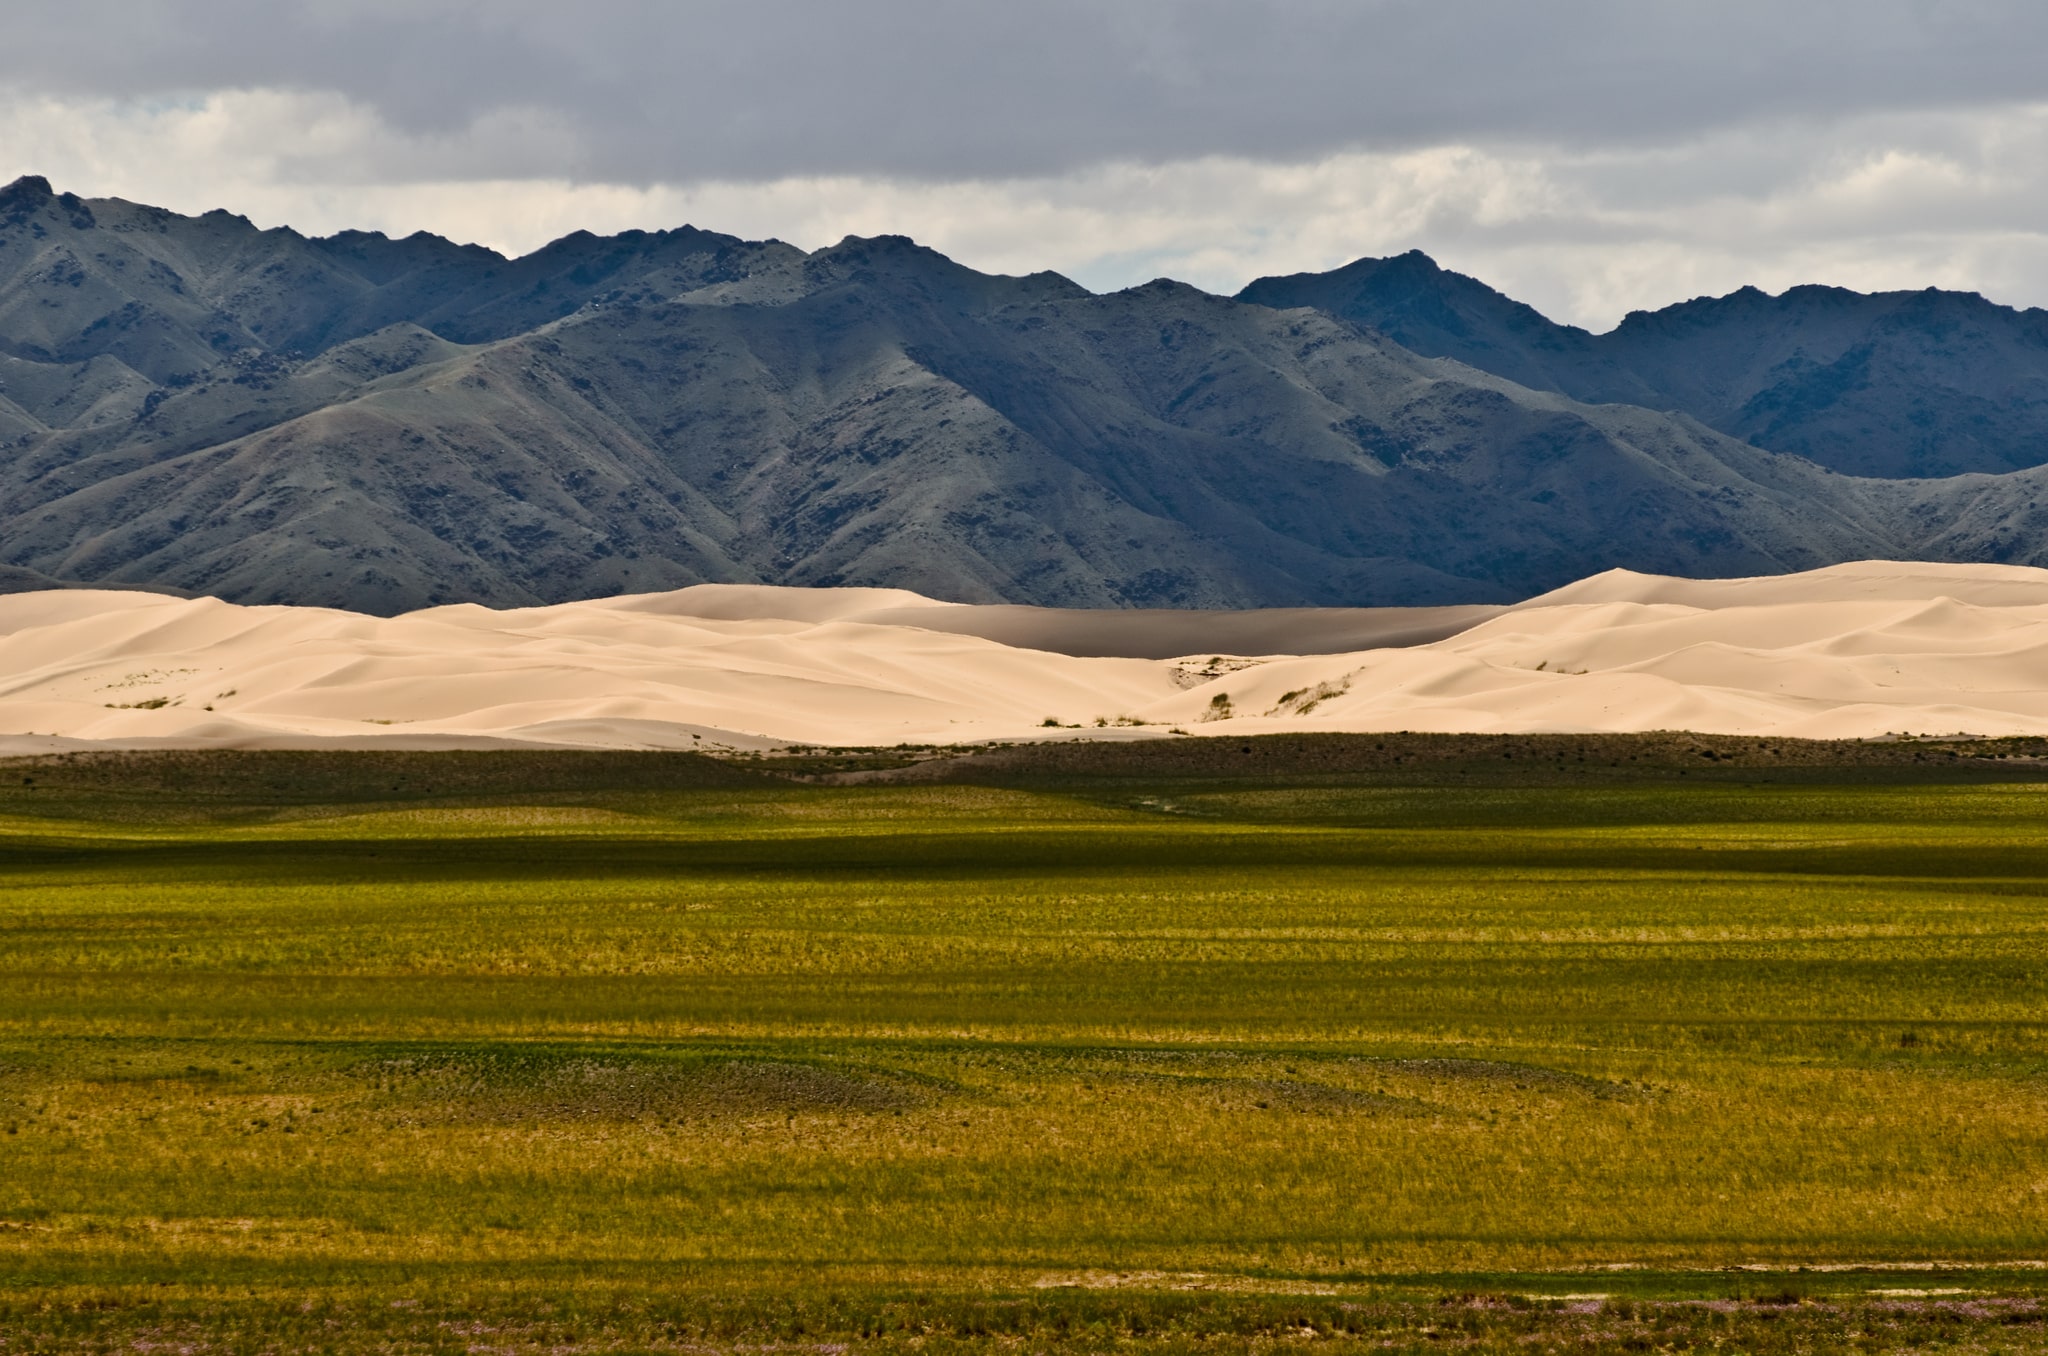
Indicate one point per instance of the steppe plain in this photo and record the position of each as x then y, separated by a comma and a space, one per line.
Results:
809, 1037
1622, 1042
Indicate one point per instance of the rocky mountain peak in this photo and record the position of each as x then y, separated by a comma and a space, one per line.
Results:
1898, 384
30, 190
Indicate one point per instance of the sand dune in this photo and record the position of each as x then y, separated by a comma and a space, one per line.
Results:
1094, 632
1856, 650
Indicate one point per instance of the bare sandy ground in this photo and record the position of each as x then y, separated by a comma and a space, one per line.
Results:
1858, 650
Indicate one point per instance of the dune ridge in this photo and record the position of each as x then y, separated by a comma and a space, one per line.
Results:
1852, 651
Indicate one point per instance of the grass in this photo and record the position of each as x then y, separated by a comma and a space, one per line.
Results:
441, 1052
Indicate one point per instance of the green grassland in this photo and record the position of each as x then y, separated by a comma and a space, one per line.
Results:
448, 1052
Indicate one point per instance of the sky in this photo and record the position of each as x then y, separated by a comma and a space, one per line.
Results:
1590, 157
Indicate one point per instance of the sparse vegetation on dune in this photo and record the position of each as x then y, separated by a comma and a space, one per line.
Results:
440, 1052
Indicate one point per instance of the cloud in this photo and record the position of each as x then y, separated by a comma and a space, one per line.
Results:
666, 91
1589, 156
1885, 201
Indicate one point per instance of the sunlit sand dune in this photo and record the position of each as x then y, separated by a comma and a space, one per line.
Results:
1857, 650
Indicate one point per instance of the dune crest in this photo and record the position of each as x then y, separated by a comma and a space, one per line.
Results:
1858, 650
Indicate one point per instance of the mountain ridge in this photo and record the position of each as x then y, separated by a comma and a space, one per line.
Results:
196, 404
1908, 384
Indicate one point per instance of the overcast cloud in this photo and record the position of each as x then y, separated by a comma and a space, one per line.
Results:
1590, 156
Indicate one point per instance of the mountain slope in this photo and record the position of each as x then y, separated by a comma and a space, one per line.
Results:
1898, 384
195, 404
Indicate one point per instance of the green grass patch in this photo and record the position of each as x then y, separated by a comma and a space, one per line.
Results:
650, 1062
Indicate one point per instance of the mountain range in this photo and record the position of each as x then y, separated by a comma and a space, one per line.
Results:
1901, 384
197, 405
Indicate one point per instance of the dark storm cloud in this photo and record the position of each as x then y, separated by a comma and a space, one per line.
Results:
687, 89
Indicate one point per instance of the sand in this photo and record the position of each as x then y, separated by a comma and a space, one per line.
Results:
1861, 650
